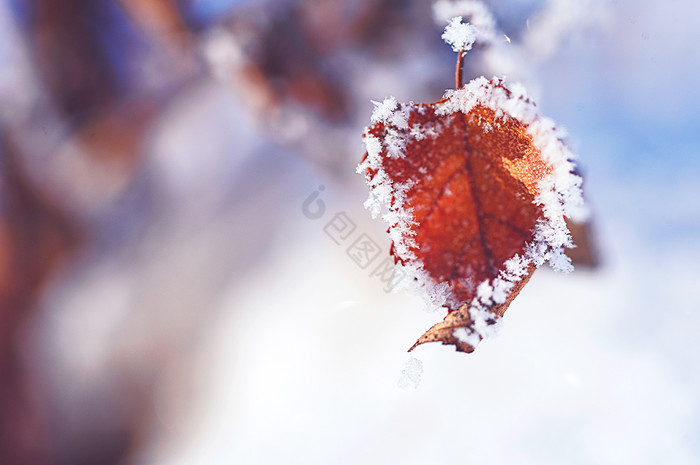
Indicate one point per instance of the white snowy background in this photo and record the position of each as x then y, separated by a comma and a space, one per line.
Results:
280, 349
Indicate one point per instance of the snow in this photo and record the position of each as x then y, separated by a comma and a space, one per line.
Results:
459, 35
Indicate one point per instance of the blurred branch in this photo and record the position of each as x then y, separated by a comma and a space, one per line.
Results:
35, 237
69, 56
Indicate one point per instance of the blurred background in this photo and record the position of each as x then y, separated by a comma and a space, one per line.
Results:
178, 201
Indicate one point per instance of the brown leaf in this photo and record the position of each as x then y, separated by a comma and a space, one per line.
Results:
473, 204
461, 318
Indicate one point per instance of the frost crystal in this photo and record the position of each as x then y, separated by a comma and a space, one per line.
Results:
389, 112
384, 110
459, 35
479, 16
410, 375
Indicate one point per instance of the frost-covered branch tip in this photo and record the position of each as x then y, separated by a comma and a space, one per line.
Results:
459, 35
476, 11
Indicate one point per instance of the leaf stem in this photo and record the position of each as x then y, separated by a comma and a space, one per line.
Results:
459, 72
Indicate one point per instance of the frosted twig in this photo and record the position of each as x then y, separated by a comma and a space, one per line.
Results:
459, 72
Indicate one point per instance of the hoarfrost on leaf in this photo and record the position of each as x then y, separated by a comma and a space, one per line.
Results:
484, 292
467, 336
384, 110
390, 112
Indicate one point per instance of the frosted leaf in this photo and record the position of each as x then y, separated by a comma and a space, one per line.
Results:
559, 192
459, 35
402, 180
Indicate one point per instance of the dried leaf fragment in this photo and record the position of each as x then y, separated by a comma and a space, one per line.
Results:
475, 188
453, 329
